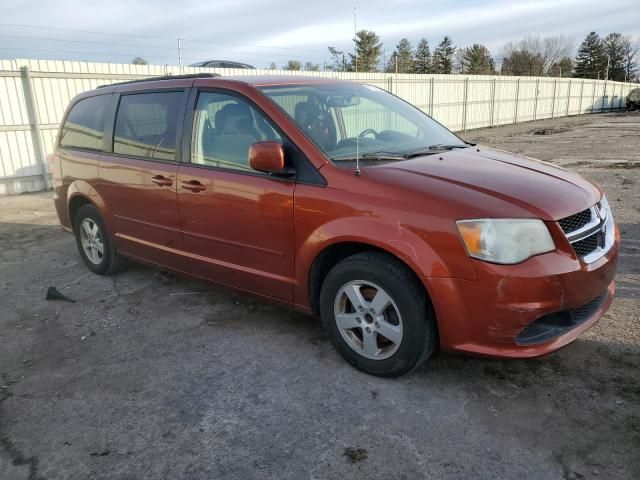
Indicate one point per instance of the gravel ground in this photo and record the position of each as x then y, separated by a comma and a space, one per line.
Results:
148, 376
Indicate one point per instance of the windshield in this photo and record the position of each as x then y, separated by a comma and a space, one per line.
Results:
345, 120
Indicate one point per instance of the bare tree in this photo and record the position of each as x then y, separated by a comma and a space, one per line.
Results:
554, 49
535, 55
630, 53
311, 67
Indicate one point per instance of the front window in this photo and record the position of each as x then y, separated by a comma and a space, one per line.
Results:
346, 121
225, 127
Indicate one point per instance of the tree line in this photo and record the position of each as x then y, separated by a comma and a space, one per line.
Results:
614, 57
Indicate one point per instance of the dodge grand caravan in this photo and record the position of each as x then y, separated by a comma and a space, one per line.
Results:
342, 201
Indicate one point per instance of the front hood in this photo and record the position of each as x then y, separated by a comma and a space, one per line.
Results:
494, 183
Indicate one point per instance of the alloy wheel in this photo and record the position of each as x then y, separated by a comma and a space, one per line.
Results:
368, 319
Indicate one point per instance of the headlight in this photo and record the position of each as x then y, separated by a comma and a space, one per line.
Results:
505, 241
604, 208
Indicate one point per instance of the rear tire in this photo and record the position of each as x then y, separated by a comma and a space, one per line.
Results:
94, 244
377, 314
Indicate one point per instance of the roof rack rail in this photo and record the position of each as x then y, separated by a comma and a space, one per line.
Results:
165, 77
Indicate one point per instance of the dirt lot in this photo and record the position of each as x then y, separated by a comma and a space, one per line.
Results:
149, 376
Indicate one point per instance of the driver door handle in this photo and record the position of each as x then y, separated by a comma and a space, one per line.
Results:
194, 185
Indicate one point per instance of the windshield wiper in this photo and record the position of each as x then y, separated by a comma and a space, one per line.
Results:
380, 155
438, 147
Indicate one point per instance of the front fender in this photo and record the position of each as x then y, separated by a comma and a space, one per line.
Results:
411, 246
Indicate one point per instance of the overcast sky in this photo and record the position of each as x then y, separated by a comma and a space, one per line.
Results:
259, 32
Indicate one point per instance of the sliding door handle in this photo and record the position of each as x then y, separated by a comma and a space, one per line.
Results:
162, 181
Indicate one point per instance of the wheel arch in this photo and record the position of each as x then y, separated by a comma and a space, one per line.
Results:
334, 252
82, 193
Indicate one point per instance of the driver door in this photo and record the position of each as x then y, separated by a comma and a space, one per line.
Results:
237, 223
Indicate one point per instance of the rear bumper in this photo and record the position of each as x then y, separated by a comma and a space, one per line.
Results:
60, 203
485, 316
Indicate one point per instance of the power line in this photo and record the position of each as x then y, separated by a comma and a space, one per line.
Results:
147, 37
76, 52
209, 51
48, 39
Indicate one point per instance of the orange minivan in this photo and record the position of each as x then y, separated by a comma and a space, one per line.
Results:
339, 200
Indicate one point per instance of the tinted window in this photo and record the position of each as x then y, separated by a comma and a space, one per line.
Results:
224, 128
146, 125
84, 126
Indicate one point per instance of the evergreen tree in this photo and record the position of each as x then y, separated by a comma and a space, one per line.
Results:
615, 48
422, 57
339, 63
390, 67
368, 50
476, 60
404, 55
293, 65
443, 56
591, 60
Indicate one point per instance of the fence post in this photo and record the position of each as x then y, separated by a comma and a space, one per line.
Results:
593, 97
32, 116
581, 91
553, 105
431, 81
493, 100
620, 98
464, 104
568, 98
515, 113
535, 103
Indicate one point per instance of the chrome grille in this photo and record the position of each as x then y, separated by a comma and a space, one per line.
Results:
575, 222
590, 232
586, 246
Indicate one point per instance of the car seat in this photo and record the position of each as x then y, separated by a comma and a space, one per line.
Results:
317, 123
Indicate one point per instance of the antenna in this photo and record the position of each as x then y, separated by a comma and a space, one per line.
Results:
357, 172
355, 36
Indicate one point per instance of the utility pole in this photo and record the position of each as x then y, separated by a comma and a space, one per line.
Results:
180, 52
606, 77
355, 36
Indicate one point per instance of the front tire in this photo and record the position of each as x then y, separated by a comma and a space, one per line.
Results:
378, 315
94, 244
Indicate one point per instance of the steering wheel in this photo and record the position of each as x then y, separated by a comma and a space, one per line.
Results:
367, 132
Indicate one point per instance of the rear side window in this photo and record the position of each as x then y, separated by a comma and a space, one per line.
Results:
146, 125
84, 126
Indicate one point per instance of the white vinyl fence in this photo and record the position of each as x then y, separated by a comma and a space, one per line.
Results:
35, 93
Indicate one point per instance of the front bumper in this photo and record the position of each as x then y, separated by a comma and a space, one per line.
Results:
485, 316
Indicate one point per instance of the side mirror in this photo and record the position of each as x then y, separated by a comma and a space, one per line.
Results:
266, 157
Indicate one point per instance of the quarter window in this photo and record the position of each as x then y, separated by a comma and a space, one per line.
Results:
224, 128
146, 125
84, 126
